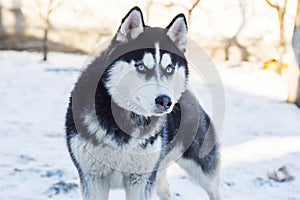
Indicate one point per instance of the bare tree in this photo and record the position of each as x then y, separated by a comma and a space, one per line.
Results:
19, 17
51, 7
233, 41
170, 4
281, 10
1, 24
195, 4
2, 31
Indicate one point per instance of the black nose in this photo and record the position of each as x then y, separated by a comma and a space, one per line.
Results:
163, 102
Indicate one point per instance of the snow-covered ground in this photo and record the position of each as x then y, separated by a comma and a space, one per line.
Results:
261, 133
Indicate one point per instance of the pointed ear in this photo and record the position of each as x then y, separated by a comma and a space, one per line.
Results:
132, 25
177, 32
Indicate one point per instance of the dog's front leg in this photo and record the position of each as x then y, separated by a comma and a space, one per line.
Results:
94, 189
162, 185
135, 187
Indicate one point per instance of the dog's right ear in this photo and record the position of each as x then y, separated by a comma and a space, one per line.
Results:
132, 25
177, 32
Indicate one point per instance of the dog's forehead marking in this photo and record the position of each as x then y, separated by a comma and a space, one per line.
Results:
157, 59
165, 60
157, 53
148, 60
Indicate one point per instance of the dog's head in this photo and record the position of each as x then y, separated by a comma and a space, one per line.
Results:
149, 72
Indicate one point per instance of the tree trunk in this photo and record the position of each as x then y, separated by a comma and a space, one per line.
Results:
294, 78
233, 41
1, 25
296, 35
2, 30
45, 44
282, 46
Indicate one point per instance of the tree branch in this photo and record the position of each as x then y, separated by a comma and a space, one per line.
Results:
54, 7
191, 10
273, 5
297, 21
194, 5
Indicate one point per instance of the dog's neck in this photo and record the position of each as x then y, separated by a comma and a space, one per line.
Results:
140, 120
125, 118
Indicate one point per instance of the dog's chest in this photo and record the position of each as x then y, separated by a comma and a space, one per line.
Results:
107, 159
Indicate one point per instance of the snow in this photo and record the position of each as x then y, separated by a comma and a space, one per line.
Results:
260, 133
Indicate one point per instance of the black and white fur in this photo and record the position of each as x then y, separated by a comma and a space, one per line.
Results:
119, 135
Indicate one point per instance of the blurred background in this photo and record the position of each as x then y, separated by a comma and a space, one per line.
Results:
237, 30
245, 30
255, 46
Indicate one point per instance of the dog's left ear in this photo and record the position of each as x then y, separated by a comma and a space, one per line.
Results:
177, 32
132, 25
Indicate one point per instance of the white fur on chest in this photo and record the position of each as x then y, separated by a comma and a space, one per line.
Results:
111, 161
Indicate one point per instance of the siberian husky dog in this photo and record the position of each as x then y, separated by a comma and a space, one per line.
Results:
131, 115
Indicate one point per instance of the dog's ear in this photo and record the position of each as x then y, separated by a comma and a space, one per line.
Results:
177, 32
132, 25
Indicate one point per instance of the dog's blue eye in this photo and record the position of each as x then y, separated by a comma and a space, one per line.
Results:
140, 66
170, 69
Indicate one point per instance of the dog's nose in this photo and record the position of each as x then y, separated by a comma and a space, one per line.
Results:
163, 102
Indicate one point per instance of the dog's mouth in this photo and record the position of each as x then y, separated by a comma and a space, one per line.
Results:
153, 110
160, 112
